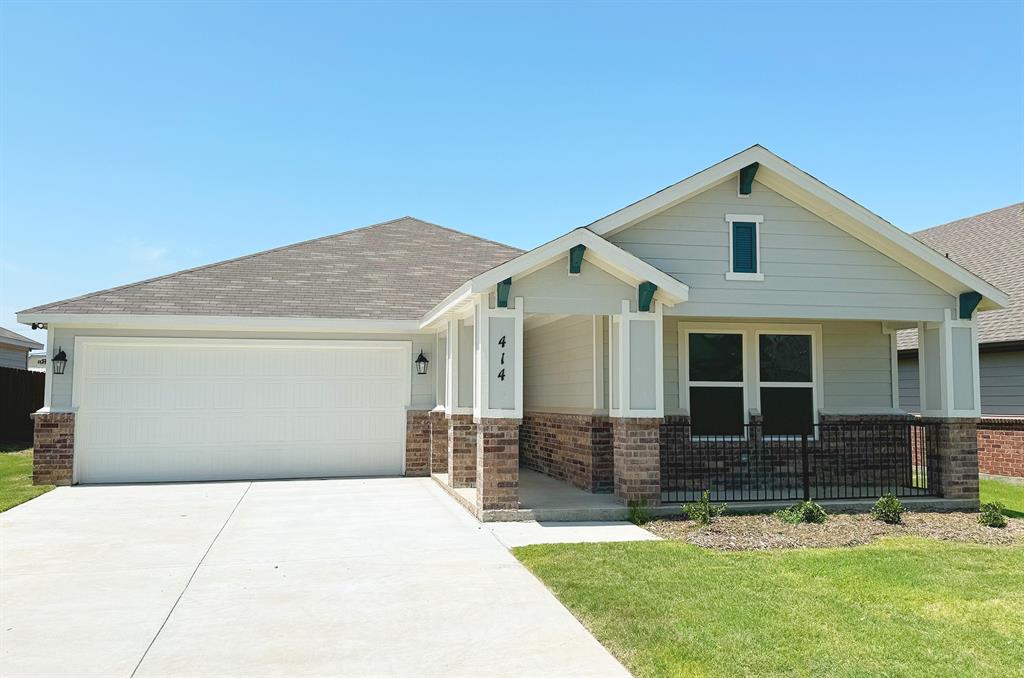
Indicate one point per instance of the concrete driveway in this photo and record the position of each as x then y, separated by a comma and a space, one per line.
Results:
317, 577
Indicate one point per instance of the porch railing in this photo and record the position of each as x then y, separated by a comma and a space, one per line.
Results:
842, 460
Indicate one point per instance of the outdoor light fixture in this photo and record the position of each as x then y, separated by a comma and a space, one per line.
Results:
60, 361
421, 364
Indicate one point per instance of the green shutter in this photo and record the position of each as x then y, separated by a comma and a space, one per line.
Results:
744, 247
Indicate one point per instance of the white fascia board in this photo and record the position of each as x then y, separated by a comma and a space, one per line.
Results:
26, 344
609, 256
831, 205
191, 322
451, 304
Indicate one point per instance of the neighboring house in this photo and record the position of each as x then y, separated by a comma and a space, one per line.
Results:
37, 361
992, 246
14, 349
707, 335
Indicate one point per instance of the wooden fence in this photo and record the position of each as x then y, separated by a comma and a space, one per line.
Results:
21, 394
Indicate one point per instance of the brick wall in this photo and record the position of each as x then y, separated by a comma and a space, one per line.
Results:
636, 449
573, 448
497, 464
1001, 447
438, 442
417, 443
953, 457
54, 448
461, 450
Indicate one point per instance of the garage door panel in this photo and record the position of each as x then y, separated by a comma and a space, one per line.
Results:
170, 412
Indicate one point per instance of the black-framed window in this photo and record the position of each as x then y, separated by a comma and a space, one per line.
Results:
786, 383
716, 383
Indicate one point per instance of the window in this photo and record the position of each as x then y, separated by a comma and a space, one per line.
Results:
786, 382
744, 247
716, 382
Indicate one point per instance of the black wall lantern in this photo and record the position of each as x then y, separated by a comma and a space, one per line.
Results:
60, 361
421, 363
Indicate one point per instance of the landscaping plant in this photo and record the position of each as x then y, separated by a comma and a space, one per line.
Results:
703, 511
888, 509
638, 514
804, 512
992, 515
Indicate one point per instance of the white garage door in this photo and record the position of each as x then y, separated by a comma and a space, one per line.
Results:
154, 410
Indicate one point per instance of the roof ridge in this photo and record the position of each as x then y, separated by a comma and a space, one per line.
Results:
455, 230
973, 216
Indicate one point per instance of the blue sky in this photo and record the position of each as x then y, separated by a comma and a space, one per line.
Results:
141, 138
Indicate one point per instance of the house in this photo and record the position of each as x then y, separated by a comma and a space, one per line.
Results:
992, 246
14, 349
736, 331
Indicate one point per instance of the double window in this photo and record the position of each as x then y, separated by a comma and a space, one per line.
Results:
725, 372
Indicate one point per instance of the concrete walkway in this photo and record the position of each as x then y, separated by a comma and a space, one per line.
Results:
290, 578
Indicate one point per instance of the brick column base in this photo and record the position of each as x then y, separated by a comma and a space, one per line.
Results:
417, 443
54, 448
953, 457
461, 450
497, 464
438, 442
636, 450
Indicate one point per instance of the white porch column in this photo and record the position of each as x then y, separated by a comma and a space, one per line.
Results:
637, 403
948, 367
498, 402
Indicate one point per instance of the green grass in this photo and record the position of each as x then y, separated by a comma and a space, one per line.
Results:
901, 607
16, 477
1009, 494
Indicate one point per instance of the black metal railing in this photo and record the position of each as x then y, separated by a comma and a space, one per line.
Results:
838, 460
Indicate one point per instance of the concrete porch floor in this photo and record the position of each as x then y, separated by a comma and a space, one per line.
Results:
543, 499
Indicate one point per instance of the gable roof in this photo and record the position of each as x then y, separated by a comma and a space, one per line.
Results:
609, 256
817, 197
14, 339
395, 270
991, 245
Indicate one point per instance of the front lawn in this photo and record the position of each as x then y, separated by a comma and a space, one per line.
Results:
900, 607
16, 478
1011, 495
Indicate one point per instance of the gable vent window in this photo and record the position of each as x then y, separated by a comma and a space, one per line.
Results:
744, 247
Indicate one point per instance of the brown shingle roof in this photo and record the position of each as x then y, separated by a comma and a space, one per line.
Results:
396, 270
990, 245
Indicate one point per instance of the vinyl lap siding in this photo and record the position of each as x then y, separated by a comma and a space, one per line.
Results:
811, 268
1002, 384
13, 357
558, 366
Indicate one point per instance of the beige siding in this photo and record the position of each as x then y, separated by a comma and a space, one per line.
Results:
423, 387
857, 377
552, 290
558, 366
812, 269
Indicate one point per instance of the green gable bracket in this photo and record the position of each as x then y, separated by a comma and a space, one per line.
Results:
576, 259
646, 296
968, 302
747, 178
504, 287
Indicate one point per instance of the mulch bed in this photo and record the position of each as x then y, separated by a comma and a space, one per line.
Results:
764, 532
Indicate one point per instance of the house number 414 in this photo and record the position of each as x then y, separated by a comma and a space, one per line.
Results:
501, 374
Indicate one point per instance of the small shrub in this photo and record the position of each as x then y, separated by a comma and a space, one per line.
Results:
992, 515
703, 511
888, 509
638, 514
804, 512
